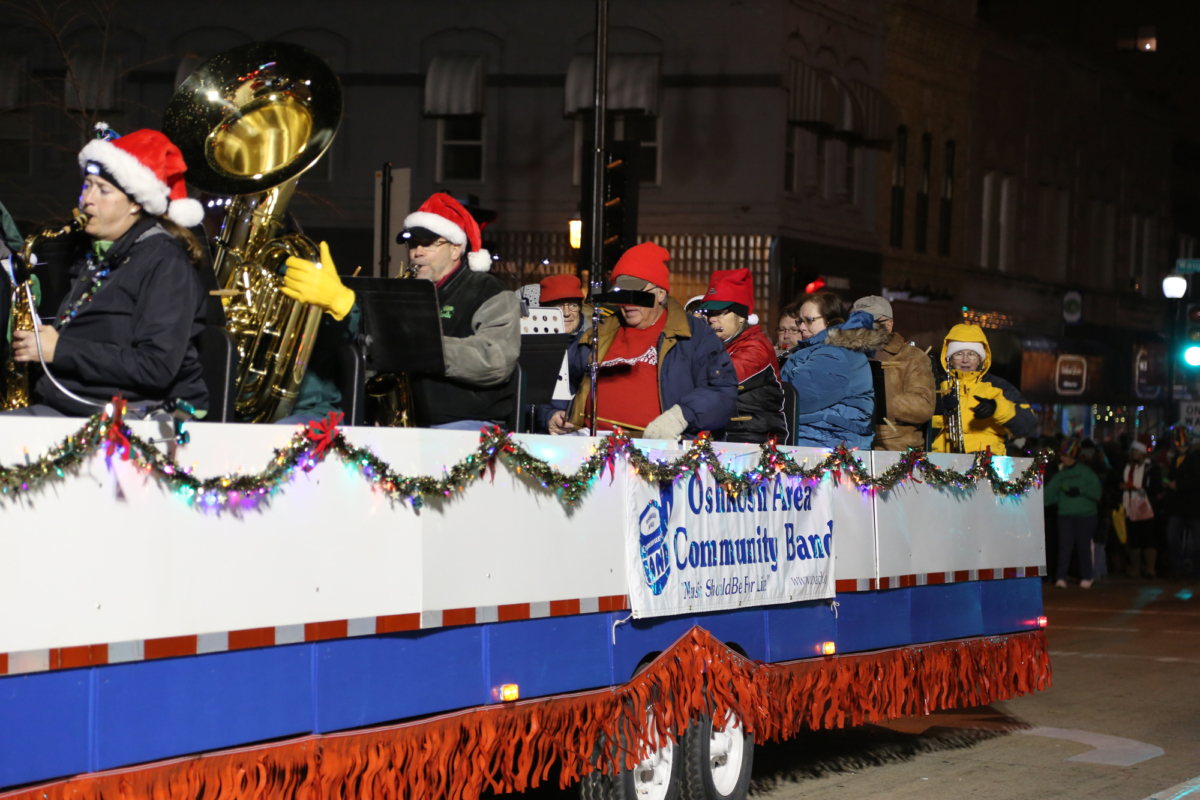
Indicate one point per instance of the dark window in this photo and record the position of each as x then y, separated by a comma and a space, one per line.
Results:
16, 139
921, 237
461, 149
899, 174
851, 174
789, 160
945, 213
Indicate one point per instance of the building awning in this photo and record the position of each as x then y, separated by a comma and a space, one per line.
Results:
849, 110
879, 115
817, 98
812, 95
454, 86
633, 83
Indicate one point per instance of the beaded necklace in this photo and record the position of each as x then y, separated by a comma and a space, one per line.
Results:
96, 280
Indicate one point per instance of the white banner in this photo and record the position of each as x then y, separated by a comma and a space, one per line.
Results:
690, 547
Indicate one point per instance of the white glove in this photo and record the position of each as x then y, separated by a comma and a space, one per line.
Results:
668, 425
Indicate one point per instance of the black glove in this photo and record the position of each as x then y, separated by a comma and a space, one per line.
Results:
1072, 492
950, 402
985, 409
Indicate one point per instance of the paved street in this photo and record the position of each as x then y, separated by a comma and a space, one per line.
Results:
1126, 659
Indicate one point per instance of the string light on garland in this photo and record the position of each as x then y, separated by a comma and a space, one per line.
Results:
311, 445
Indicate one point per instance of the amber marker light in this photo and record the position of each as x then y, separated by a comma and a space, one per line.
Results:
1043, 622
510, 692
829, 648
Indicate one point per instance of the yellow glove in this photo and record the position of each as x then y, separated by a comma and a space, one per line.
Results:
318, 284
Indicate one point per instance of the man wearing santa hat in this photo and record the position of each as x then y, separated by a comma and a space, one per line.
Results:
662, 372
729, 307
130, 322
481, 321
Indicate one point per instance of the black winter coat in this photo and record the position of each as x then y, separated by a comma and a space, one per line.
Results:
137, 335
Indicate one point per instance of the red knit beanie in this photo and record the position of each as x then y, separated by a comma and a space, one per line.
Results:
647, 261
560, 287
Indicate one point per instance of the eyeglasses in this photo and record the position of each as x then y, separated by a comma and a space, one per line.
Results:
428, 245
567, 306
783, 331
811, 320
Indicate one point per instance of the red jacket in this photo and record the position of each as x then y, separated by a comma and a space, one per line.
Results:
760, 391
751, 352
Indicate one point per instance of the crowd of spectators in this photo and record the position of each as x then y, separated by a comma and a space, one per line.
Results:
1122, 508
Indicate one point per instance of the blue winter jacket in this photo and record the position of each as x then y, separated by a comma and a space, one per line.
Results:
694, 371
832, 377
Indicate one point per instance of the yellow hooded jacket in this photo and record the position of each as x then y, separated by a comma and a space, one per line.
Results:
1013, 415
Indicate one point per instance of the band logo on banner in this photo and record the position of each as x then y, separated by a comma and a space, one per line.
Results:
690, 546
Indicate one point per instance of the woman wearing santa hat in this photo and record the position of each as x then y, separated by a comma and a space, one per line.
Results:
729, 307
130, 322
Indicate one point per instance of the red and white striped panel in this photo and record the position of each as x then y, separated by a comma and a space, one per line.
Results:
174, 646
935, 578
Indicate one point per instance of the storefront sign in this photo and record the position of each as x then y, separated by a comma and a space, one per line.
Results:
1070, 375
690, 546
1072, 307
1189, 413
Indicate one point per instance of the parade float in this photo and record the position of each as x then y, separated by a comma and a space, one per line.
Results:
372, 612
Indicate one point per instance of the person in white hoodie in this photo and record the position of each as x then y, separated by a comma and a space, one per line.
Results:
1141, 481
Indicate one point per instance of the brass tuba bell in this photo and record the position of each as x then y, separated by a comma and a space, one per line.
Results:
249, 122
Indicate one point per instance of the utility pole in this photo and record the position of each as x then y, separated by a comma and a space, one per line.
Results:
596, 273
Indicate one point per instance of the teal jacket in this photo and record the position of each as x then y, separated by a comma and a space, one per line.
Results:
1081, 477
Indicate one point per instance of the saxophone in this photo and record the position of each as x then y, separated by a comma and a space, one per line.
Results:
249, 122
955, 432
16, 374
392, 391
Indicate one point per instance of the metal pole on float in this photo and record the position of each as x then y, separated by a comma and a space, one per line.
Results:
596, 273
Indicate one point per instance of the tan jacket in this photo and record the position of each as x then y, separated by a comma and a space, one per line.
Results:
908, 377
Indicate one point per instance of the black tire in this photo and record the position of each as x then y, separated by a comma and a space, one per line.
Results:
623, 786
698, 781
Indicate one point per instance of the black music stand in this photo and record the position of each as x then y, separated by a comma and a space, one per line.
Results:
401, 326
541, 359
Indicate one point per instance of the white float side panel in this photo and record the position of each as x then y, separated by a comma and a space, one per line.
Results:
922, 529
854, 525
113, 557
509, 541
110, 556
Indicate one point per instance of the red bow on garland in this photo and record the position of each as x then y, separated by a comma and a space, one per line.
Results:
321, 434
505, 445
116, 435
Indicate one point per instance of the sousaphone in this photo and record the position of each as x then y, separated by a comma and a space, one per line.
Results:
249, 122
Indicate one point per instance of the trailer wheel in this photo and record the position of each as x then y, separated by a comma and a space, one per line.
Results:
716, 762
658, 777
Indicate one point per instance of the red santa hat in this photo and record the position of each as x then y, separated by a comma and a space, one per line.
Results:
731, 290
444, 216
146, 166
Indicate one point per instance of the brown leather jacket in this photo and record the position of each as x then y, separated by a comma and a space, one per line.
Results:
908, 376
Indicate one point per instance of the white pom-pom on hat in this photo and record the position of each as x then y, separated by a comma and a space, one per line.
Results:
752, 319
186, 212
479, 260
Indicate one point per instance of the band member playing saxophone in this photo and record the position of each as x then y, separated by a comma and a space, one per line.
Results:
129, 324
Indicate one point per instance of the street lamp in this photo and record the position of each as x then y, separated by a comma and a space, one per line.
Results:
1174, 288
576, 229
